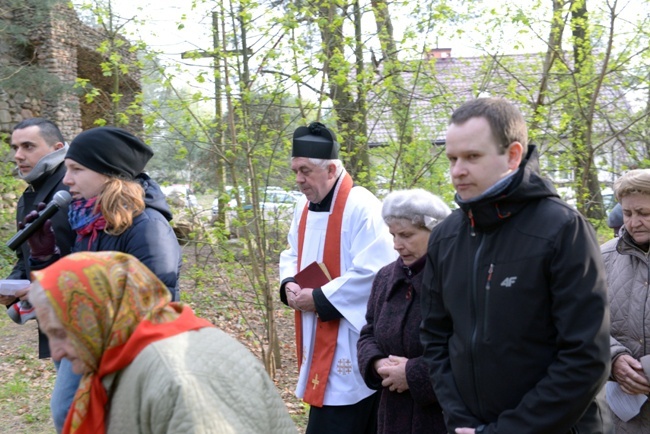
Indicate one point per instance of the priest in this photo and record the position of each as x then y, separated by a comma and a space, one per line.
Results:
338, 224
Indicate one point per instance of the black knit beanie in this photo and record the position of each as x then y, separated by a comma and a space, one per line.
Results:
110, 151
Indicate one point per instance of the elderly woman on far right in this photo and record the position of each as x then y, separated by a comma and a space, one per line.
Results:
628, 272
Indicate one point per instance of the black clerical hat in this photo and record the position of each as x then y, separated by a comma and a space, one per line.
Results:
315, 141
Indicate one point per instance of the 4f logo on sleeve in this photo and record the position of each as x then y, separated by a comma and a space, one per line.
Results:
509, 281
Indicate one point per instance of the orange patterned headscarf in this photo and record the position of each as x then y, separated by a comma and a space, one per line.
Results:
112, 306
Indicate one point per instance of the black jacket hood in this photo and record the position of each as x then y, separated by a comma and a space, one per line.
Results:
153, 196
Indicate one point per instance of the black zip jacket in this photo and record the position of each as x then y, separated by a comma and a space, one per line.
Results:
515, 317
43, 189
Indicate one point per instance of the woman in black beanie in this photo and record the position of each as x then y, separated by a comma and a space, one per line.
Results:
115, 207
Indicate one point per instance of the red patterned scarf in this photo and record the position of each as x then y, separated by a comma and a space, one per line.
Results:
86, 218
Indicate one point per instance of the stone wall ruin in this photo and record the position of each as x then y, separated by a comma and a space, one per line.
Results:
67, 49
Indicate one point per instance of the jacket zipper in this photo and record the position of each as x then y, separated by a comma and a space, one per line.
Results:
473, 353
486, 311
647, 258
470, 215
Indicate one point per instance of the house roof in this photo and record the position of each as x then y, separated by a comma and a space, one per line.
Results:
433, 88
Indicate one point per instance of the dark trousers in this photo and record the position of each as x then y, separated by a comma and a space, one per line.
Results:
359, 418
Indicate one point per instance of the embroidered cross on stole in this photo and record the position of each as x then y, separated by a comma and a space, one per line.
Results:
326, 331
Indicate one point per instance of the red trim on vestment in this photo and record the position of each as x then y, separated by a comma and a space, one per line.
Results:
326, 331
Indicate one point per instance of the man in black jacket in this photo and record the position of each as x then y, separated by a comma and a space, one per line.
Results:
39, 150
515, 318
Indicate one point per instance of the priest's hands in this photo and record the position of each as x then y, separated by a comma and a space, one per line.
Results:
300, 298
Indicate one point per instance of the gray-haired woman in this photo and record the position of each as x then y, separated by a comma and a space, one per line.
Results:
389, 349
628, 268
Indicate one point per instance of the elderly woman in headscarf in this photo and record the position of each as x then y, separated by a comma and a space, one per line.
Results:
148, 365
389, 349
628, 267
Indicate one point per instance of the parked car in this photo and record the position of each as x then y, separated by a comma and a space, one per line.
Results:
232, 203
609, 201
278, 204
181, 195
273, 199
568, 195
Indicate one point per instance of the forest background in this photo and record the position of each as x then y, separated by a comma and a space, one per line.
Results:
224, 84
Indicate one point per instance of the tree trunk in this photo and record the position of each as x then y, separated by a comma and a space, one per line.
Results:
342, 90
553, 50
399, 99
589, 197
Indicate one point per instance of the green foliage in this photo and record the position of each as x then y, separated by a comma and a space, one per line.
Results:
603, 232
26, 382
13, 388
10, 189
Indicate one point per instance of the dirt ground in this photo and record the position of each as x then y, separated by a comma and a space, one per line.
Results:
26, 381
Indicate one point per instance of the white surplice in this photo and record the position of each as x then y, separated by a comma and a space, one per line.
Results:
366, 246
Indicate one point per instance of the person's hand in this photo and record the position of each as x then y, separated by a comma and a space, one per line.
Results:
292, 289
394, 374
465, 430
379, 363
300, 298
628, 372
305, 300
22, 293
7, 299
43, 243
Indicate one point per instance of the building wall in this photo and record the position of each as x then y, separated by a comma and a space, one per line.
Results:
67, 49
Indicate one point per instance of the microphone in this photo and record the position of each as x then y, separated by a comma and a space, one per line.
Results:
60, 199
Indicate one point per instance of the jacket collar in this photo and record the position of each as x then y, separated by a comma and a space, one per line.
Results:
526, 186
403, 277
44, 185
627, 246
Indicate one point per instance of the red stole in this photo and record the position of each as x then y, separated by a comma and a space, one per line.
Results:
326, 331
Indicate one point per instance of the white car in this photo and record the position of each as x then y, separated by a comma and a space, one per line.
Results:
278, 204
181, 195
232, 203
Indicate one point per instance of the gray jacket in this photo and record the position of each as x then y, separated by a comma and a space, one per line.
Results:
198, 382
628, 275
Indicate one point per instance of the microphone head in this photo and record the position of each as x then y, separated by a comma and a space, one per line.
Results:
61, 198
